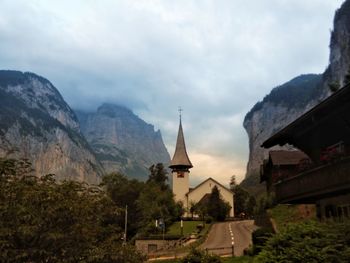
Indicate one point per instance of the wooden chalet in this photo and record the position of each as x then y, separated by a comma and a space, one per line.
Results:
282, 165
323, 133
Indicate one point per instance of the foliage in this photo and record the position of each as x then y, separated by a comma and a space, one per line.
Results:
193, 208
198, 256
218, 209
245, 204
308, 242
334, 86
240, 200
260, 237
155, 203
146, 202
284, 214
251, 183
158, 175
125, 192
45, 221
233, 183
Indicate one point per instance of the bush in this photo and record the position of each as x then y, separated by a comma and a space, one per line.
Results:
198, 256
308, 242
259, 238
209, 220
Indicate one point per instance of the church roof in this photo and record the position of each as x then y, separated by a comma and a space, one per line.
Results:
209, 179
180, 157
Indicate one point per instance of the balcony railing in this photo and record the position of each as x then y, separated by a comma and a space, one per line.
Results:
307, 187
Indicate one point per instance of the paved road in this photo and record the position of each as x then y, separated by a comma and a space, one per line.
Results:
223, 235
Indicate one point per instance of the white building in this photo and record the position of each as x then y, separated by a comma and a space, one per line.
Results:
180, 165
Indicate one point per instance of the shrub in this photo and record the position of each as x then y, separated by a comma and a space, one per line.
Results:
199, 256
308, 242
260, 237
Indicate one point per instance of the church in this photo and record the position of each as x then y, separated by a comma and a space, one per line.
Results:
180, 169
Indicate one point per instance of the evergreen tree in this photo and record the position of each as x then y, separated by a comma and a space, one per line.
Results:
158, 174
240, 200
217, 207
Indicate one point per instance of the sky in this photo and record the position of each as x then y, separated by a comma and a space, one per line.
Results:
214, 58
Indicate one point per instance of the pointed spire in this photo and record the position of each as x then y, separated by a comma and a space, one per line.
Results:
180, 159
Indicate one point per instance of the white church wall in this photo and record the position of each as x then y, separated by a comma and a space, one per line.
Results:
205, 188
180, 187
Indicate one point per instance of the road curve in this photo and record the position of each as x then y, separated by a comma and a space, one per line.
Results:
223, 235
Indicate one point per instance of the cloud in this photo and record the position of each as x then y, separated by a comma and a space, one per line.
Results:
214, 58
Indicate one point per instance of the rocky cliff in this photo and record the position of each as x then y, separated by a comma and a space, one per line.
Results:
122, 141
287, 102
37, 124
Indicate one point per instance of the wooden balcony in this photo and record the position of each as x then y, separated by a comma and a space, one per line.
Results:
324, 181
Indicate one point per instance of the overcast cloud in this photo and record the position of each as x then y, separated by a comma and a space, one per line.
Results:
215, 59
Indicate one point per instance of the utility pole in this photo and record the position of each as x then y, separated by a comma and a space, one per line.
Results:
126, 223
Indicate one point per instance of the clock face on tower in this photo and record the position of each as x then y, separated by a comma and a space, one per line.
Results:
180, 174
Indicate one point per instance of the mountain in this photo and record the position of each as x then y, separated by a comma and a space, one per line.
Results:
287, 102
122, 141
37, 124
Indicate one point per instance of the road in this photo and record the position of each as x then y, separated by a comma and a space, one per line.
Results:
223, 235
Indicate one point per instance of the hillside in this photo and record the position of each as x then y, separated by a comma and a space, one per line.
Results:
37, 124
122, 141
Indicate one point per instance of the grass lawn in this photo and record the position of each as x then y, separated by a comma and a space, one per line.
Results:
284, 214
189, 227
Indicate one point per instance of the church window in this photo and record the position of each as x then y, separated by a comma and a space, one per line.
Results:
180, 174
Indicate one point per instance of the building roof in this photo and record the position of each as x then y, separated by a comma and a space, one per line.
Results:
286, 157
204, 200
193, 189
180, 157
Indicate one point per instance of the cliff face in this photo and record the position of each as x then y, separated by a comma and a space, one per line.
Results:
122, 141
276, 110
37, 124
287, 102
339, 59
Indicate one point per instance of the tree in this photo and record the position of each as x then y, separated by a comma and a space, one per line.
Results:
240, 200
46, 221
251, 205
155, 202
158, 174
217, 207
125, 192
193, 208
233, 183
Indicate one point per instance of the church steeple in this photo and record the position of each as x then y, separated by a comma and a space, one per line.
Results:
180, 159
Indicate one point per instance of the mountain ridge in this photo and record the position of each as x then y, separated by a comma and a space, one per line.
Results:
271, 114
37, 124
122, 141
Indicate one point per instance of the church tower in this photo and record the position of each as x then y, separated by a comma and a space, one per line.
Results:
180, 165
